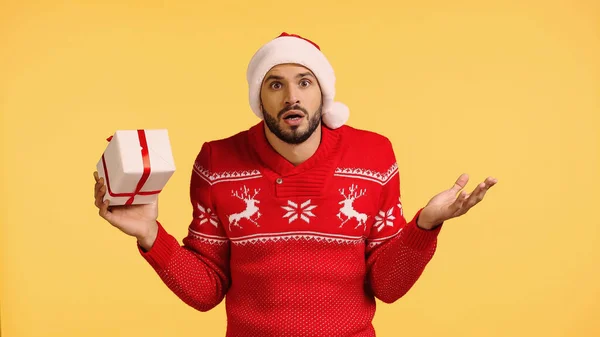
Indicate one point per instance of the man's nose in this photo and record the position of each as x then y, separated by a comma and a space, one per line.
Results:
292, 97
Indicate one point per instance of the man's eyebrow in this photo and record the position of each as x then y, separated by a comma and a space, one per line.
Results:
273, 77
305, 74
277, 77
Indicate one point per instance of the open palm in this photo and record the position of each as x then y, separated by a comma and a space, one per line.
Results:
447, 205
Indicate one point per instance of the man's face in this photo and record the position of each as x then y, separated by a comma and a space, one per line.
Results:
291, 102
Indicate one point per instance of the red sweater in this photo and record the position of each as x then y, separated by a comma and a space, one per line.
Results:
295, 250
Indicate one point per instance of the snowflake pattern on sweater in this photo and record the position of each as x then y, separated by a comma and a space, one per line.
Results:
295, 250
302, 211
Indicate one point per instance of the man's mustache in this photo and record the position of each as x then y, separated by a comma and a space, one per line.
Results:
293, 107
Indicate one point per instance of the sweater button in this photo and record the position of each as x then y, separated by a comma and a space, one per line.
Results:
279, 181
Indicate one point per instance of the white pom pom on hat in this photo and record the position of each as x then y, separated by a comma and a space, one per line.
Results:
291, 48
338, 115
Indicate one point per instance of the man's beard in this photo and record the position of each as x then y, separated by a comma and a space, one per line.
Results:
295, 136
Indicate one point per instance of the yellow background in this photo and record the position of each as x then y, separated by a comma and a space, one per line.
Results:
502, 88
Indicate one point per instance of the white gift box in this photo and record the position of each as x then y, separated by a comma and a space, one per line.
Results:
136, 166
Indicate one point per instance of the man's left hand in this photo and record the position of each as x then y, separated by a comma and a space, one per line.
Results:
446, 205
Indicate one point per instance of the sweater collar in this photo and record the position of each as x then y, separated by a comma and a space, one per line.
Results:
330, 141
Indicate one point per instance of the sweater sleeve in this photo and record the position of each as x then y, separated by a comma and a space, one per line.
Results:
198, 271
397, 251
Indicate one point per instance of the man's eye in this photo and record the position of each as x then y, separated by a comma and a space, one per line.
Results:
304, 83
275, 85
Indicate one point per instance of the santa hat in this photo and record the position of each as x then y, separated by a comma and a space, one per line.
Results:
291, 48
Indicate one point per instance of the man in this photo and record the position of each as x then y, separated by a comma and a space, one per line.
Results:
300, 224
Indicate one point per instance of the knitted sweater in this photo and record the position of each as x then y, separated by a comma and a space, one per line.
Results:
295, 250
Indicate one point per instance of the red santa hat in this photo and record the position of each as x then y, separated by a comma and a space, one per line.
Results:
291, 48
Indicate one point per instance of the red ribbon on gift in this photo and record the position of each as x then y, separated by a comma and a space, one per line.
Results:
145, 174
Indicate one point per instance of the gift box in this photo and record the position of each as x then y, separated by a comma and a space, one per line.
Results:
136, 166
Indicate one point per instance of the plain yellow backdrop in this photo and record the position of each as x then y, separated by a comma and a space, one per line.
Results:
509, 89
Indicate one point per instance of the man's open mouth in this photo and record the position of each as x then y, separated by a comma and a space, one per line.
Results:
293, 115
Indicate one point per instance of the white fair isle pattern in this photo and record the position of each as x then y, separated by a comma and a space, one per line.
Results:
295, 212
347, 208
375, 242
359, 173
251, 208
385, 219
218, 177
297, 236
400, 207
210, 239
207, 215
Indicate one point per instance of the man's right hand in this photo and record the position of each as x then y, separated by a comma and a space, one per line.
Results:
135, 220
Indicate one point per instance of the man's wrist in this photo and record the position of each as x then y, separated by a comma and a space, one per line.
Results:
147, 241
427, 225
